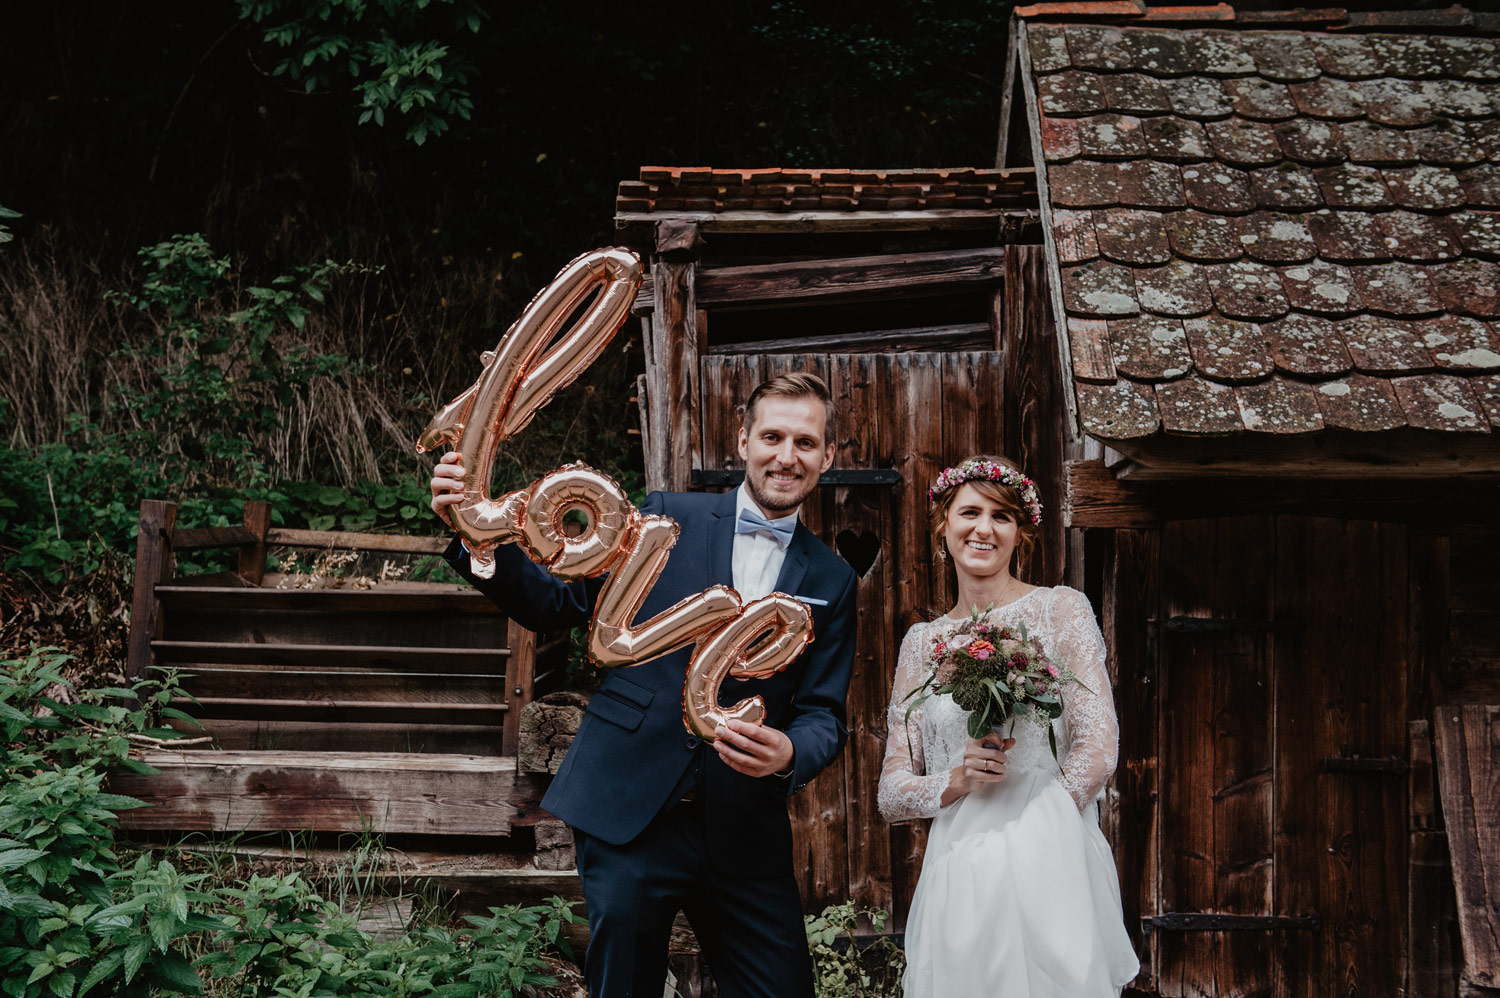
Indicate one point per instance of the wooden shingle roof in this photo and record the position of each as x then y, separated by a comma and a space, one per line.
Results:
1272, 228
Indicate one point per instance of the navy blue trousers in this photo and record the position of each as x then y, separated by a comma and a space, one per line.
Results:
750, 928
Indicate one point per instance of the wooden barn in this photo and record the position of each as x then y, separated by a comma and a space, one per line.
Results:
1230, 297
1271, 239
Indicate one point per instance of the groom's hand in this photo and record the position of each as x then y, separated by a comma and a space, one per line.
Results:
753, 749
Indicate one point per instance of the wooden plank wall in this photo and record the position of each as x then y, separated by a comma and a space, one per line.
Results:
915, 412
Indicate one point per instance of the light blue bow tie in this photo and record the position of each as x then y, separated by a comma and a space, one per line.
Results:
751, 522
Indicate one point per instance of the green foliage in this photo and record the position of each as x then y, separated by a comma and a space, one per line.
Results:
71, 918
844, 969
75, 920
386, 46
5, 234
195, 431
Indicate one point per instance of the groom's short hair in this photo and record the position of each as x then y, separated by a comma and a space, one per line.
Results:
798, 384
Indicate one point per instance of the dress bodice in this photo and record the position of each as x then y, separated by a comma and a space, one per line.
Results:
926, 743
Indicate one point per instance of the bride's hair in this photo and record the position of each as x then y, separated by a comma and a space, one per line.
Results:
1004, 495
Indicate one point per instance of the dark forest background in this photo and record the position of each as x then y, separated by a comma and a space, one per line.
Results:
220, 284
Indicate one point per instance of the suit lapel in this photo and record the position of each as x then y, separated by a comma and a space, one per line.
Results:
721, 541
795, 565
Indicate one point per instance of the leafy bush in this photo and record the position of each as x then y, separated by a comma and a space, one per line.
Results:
75, 920
71, 919
844, 969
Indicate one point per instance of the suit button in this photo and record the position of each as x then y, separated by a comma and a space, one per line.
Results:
692, 741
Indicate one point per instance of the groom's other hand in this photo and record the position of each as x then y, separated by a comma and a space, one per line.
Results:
447, 482
753, 749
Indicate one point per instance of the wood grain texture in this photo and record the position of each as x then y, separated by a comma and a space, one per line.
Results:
1034, 429
1432, 958
389, 793
777, 285
252, 559
1216, 760
1131, 587
1340, 691
520, 667
1465, 738
153, 566
672, 372
1093, 497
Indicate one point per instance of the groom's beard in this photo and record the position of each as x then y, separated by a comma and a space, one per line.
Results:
778, 503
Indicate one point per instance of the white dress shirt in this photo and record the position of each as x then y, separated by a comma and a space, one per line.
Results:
757, 558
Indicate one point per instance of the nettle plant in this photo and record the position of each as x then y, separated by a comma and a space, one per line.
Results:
73, 921
77, 919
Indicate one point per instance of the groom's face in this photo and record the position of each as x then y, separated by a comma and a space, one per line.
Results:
785, 450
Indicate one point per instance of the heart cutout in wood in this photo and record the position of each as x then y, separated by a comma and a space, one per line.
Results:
859, 550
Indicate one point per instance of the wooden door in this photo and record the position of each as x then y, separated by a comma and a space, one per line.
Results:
1281, 845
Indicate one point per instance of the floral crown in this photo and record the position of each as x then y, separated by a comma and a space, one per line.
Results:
979, 469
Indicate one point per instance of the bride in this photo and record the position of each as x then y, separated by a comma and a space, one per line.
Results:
1018, 894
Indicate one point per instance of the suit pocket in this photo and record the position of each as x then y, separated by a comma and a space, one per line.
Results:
621, 702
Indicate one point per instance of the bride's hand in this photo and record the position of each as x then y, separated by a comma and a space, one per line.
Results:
984, 762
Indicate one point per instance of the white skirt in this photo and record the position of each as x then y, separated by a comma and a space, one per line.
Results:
1018, 898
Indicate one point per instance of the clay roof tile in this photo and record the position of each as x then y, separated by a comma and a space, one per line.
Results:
1150, 347
1192, 406
1279, 405
1118, 411
1360, 402
1441, 402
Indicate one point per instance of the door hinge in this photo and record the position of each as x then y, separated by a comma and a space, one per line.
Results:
1388, 765
1198, 921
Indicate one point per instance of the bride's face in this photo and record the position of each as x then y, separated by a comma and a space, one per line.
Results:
980, 534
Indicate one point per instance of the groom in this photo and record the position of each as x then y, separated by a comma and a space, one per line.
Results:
663, 822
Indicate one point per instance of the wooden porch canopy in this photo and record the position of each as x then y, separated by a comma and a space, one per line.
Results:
672, 213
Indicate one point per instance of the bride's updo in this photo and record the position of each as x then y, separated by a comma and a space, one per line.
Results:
1007, 496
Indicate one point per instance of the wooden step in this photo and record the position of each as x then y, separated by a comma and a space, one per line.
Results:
335, 711
275, 682
444, 599
385, 792
393, 657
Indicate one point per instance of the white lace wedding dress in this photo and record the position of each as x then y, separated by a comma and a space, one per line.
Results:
1018, 896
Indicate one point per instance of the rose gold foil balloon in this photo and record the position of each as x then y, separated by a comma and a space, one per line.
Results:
728, 652
611, 519
519, 377
614, 641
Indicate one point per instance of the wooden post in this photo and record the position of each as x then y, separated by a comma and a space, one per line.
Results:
520, 667
153, 565
253, 556
1468, 767
1034, 413
672, 359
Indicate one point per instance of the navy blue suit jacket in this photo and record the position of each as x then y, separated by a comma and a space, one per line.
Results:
632, 750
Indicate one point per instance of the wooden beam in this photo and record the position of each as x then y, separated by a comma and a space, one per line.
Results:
672, 375
198, 538
389, 793
780, 222
777, 285
253, 555
520, 671
153, 566
1095, 498
1469, 782
1431, 965
1396, 454
389, 543
959, 336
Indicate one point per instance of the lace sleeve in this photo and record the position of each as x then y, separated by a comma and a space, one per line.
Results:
1093, 732
906, 792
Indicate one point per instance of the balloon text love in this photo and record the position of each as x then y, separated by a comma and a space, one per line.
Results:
745, 641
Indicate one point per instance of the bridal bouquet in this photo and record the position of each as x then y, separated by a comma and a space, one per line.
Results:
998, 673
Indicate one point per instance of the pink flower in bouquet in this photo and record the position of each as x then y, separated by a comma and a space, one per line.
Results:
1052, 671
981, 649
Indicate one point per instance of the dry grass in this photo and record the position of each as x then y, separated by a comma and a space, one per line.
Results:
414, 342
